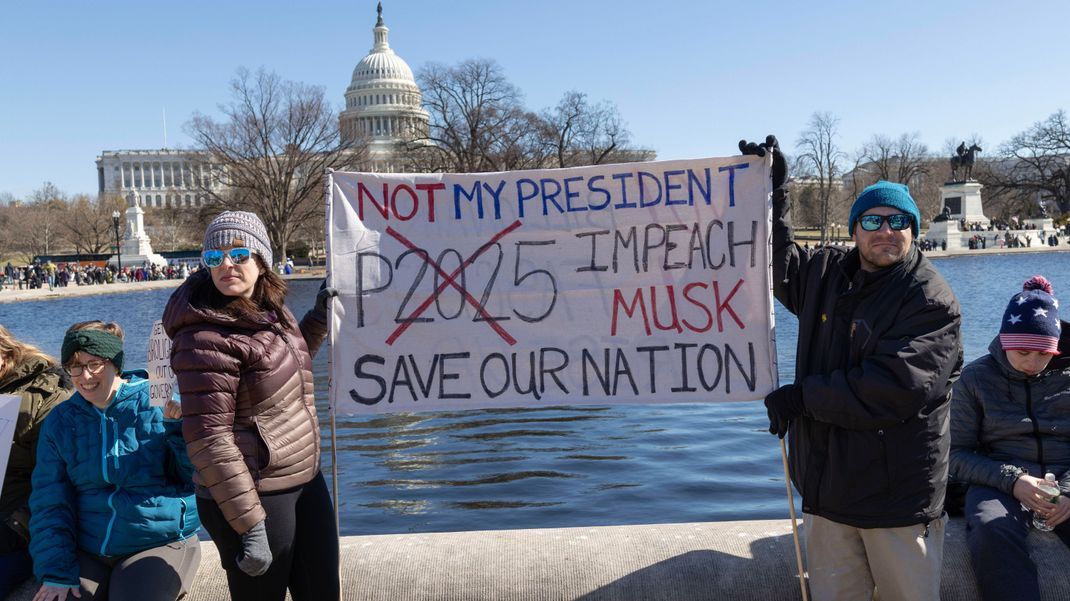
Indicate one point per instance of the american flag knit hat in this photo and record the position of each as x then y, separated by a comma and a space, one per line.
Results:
1031, 321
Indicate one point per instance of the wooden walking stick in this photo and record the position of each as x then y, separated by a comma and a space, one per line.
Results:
794, 522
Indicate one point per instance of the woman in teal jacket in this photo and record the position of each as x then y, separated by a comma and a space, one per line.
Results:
112, 509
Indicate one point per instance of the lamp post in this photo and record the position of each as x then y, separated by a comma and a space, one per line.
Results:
118, 250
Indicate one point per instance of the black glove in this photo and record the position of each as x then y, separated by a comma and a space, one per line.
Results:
319, 310
779, 172
255, 558
783, 405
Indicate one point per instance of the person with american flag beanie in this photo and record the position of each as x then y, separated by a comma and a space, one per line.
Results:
1010, 420
1031, 321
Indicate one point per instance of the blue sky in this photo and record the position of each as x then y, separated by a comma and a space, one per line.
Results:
689, 77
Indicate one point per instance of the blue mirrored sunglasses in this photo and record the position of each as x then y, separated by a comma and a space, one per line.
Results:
898, 221
214, 258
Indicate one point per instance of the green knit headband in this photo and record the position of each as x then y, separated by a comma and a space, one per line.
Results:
95, 342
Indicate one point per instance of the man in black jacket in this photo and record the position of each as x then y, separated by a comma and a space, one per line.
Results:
879, 347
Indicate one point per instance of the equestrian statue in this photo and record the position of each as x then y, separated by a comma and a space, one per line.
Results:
963, 160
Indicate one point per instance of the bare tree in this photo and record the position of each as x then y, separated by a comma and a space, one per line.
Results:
39, 222
904, 159
819, 158
173, 227
1034, 165
87, 222
523, 145
477, 121
272, 148
580, 132
8, 221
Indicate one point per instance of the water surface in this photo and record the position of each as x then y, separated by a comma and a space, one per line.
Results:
555, 466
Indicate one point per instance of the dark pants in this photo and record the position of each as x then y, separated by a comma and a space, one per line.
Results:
162, 573
303, 540
996, 532
15, 568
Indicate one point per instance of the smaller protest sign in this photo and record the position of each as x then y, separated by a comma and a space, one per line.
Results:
9, 415
162, 382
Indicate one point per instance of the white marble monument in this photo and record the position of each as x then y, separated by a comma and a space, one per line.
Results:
960, 201
136, 249
964, 201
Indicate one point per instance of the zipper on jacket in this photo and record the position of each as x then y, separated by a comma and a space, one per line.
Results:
104, 470
111, 522
115, 445
887, 465
301, 369
104, 446
1036, 427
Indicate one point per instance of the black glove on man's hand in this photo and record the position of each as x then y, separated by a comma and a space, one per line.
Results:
255, 557
783, 405
319, 310
779, 173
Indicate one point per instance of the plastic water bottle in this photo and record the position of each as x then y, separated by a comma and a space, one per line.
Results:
1051, 489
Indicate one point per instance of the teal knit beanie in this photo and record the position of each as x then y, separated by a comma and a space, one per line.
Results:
885, 194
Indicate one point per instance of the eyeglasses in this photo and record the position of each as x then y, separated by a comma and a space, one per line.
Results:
898, 221
214, 258
93, 367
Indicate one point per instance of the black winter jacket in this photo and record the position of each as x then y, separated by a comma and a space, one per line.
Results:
1004, 423
876, 358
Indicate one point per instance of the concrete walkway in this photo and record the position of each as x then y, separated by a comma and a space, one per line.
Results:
752, 560
9, 295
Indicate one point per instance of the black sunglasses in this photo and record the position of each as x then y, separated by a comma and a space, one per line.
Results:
898, 221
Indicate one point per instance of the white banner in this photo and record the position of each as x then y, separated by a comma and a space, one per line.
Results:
630, 283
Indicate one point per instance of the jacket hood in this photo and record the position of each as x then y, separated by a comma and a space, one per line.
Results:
185, 308
1060, 361
26, 371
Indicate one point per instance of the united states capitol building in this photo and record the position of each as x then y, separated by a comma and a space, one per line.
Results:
382, 109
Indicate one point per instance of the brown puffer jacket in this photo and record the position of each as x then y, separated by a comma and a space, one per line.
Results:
248, 407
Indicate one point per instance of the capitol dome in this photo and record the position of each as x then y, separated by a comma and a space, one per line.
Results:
382, 63
383, 103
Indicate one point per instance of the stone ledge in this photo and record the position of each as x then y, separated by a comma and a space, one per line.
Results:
751, 560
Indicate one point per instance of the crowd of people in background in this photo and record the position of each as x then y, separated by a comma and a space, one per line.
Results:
62, 275
1003, 235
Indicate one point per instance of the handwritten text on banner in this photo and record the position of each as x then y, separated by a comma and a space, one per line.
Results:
632, 283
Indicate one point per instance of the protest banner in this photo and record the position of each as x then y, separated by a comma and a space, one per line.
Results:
162, 381
9, 416
630, 283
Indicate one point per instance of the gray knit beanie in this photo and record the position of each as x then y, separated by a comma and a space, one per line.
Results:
230, 225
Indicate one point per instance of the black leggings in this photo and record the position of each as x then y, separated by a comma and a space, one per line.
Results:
303, 540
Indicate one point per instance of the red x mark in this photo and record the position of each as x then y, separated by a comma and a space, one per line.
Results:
448, 280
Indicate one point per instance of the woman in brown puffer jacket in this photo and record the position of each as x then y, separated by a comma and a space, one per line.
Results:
244, 370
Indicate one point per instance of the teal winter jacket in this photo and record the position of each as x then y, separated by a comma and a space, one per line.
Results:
110, 482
